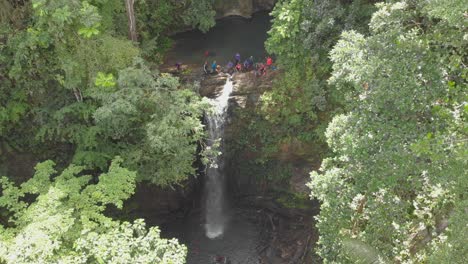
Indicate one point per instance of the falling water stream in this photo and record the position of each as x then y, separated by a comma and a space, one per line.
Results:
218, 229
214, 185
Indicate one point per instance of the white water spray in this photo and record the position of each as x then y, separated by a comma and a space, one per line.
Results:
214, 185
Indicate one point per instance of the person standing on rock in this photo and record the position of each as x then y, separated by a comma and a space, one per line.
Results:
237, 57
230, 67
238, 67
269, 61
178, 66
251, 62
246, 65
206, 67
213, 67
261, 70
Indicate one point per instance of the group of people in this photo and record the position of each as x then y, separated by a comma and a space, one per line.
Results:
237, 66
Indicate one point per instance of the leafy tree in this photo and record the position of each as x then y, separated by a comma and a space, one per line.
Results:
300, 103
303, 32
71, 82
58, 54
397, 183
60, 219
156, 19
200, 14
150, 122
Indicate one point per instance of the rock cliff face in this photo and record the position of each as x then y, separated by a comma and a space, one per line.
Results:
244, 8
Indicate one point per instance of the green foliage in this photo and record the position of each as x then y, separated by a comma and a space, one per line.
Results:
294, 200
49, 69
285, 32
397, 183
302, 34
301, 102
6, 8
66, 224
156, 125
157, 18
200, 14
71, 81
135, 245
154, 19
104, 80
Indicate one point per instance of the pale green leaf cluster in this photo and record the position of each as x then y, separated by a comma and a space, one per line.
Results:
66, 222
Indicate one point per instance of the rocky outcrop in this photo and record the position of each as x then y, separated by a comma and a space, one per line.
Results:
244, 8
246, 91
212, 85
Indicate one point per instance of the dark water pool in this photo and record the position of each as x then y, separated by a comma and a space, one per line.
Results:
240, 243
231, 35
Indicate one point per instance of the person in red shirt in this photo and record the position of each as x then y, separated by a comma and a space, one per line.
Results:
261, 69
269, 61
238, 67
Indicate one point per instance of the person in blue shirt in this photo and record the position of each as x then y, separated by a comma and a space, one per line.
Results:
251, 60
246, 65
249, 63
213, 67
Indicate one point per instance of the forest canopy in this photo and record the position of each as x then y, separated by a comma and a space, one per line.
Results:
75, 90
380, 89
393, 188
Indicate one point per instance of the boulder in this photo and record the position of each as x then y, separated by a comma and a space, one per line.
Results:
244, 8
212, 85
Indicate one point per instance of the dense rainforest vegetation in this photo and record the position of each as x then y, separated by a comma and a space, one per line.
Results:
393, 79
75, 90
378, 88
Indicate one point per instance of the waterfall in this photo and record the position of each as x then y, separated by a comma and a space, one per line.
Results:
214, 184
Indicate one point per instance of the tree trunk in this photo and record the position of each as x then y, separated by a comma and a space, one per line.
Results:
132, 34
